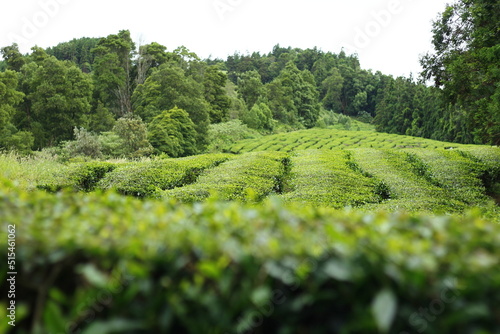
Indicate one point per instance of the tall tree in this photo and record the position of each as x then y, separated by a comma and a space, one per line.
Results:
250, 87
332, 90
214, 83
10, 137
299, 88
167, 87
113, 72
150, 56
13, 57
9, 96
307, 58
77, 51
173, 132
465, 63
58, 96
281, 103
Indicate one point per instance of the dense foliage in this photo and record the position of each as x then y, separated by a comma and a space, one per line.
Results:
77, 51
107, 263
465, 63
172, 132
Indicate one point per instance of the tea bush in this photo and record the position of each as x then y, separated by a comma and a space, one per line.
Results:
250, 176
325, 178
78, 177
409, 190
150, 178
102, 263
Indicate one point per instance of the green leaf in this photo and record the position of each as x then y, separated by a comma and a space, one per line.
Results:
339, 270
93, 275
261, 295
209, 269
57, 295
53, 318
384, 309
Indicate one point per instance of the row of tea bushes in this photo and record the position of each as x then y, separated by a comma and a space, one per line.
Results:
408, 190
105, 263
151, 178
334, 139
489, 157
251, 176
449, 169
323, 177
78, 177
137, 178
410, 179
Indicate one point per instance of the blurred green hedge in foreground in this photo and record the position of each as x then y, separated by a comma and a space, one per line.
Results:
105, 263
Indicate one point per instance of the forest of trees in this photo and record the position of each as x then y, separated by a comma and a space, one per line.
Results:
137, 100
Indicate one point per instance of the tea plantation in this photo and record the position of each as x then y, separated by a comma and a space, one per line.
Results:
334, 139
317, 231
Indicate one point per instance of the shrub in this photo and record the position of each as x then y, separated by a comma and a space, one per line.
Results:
133, 134
259, 117
223, 135
220, 267
149, 178
85, 144
113, 146
173, 132
364, 117
327, 118
345, 121
79, 177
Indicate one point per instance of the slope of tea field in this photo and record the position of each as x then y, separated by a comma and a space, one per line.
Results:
331, 168
333, 139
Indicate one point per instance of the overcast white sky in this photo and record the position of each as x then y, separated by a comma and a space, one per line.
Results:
388, 35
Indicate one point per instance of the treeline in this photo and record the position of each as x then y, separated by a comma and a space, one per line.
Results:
130, 97
115, 96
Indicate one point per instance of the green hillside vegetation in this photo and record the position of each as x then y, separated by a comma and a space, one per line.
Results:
238, 242
326, 178
334, 139
146, 190
177, 97
117, 263
320, 167
251, 176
